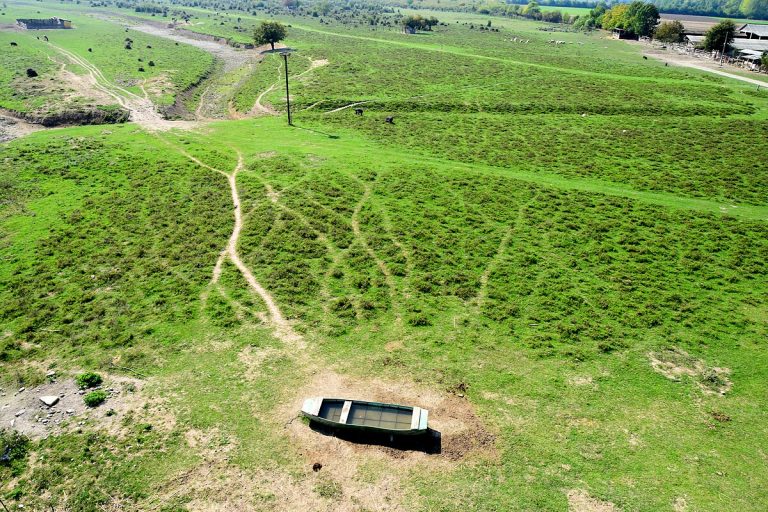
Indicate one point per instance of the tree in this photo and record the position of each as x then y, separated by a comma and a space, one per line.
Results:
670, 32
642, 18
755, 9
764, 60
616, 17
593, 20
269, 32
412, 23
532, 10
717, 36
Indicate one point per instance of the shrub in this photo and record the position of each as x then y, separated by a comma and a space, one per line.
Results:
13, 450
95, 398
88, 380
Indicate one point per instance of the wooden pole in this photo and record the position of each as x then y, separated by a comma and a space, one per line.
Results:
287, 93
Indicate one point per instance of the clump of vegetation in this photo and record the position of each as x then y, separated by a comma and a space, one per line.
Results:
330, 489
718, 38
88, 380
95, 398
669, 32
13, 452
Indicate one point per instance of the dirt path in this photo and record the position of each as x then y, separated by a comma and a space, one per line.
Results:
347, 106
13, 128
261, 108
702, 65
142, 110
283, 328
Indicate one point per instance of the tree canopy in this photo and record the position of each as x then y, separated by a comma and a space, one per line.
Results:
716, 37
639, 18
269, 32
670, 32
414, 22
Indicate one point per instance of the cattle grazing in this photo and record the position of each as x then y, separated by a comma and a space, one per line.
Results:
45, 38
645, 58
391, 119
13, 43
358, 111
31, 73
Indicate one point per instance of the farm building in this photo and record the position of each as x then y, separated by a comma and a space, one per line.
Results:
44, 24
750, 58
753, 31
738, 43
620, 33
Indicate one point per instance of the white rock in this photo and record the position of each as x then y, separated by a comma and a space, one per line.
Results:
20, 412
49, 400
21, 390
70, 411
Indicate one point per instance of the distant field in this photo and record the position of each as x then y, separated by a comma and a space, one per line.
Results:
173, 68
561, 251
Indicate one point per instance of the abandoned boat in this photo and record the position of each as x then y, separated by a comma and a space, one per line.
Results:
366, 416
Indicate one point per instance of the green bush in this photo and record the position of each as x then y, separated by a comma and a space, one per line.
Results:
13, 451
95, 398
88, 380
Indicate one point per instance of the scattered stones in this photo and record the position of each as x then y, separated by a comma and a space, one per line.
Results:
49, 400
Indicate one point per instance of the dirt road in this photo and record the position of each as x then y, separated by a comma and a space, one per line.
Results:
709, 66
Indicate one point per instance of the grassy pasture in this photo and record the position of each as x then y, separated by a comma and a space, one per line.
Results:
584, 286
175, 68
493, 242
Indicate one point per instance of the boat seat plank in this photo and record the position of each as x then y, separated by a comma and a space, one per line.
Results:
345, 412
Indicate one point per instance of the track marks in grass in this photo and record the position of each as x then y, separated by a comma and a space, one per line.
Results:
282, 327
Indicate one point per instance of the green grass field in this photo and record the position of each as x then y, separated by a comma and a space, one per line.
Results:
174, 69
561, 251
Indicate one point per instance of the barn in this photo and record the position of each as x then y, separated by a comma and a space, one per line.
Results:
753, 31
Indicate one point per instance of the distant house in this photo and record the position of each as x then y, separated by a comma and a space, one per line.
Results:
753, 31
44, 24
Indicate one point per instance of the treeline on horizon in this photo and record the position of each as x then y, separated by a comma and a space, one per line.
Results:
752, 9
755, 9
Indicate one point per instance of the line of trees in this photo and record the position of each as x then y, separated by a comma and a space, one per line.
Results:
755, 9
638, 18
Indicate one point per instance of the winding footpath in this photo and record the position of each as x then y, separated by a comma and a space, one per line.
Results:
283, 329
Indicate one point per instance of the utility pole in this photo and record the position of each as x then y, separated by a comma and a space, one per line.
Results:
722, 54
287, 93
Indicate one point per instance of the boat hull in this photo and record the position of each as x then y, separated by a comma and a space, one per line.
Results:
362, 416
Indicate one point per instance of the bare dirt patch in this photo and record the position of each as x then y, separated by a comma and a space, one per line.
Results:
675, 363
22, 409
463, 435
158, 85
580, 501
13, 128
254, 358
